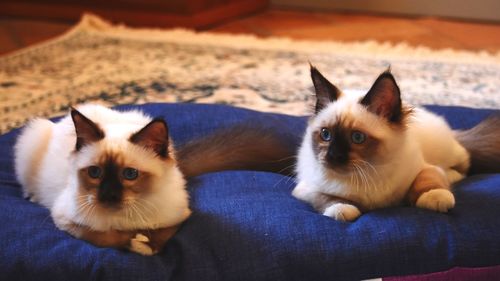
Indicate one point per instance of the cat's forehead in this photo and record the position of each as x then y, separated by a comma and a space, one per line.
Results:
350, 114
103, 153
117, 131
111, 156
121, 153
343, 110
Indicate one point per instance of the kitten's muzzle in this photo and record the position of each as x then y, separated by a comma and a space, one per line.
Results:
110, 195
337, 156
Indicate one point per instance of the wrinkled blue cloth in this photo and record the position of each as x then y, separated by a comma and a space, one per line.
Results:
247, 226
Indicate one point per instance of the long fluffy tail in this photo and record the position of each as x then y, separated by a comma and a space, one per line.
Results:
239, 147
483, 144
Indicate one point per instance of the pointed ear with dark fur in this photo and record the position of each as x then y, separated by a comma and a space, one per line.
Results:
384, 98
153, 136
326, 92
86, 130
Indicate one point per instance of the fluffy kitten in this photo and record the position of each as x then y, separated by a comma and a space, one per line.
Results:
102, 179
366, 151
112, 178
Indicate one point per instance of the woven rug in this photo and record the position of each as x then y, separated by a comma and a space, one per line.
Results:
113, 64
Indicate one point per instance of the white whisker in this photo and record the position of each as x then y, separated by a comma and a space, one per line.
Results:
139, 213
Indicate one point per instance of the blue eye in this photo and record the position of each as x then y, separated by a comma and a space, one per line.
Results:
130, 173
325, 134
357, 137
94, 172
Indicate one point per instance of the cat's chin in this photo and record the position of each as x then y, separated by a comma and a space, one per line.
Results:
111, 208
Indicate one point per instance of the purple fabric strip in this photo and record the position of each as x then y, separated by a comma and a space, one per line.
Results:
454, 274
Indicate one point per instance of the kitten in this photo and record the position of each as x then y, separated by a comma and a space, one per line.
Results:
366, 151
111, 175
114, 179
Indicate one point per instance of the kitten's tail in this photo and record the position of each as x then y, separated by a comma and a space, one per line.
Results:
483, 144
239, 147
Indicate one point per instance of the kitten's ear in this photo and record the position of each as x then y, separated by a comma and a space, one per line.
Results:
326, 92
153, 136
384, 98
86, 130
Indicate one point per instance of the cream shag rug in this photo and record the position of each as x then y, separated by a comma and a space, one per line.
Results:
113, 64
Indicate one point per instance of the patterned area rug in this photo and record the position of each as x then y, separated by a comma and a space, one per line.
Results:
112, 64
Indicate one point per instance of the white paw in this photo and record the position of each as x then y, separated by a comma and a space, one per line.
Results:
61, 221
301, 191
342, 212
440, 200
139, 245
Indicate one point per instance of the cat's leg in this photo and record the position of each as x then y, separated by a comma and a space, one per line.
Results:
460, 166
151, 241
144, 242
304, 192
342, 211
140, 244
431, 190
454, 176
328, 205
111, 238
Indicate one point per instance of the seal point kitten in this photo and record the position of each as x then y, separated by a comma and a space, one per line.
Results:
366, 151
103, 173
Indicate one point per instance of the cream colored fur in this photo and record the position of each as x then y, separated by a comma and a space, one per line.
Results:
46, 166
428, 140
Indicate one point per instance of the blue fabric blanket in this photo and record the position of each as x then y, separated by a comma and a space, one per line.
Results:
247, 226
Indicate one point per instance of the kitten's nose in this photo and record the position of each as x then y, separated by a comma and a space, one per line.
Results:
336, 157
108, 194
110, 198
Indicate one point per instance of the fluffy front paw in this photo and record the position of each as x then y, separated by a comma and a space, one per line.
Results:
62, 221
301, 191
140, 245
440, 200
342, 212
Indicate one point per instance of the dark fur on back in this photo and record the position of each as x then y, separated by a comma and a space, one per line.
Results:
239, 147
483, 144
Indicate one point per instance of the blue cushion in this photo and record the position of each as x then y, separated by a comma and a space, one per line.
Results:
247, 226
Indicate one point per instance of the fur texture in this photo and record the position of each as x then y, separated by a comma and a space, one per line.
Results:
239, 147
100, 170
483, 142
368, 151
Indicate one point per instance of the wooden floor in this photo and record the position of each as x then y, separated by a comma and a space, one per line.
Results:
16, 33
